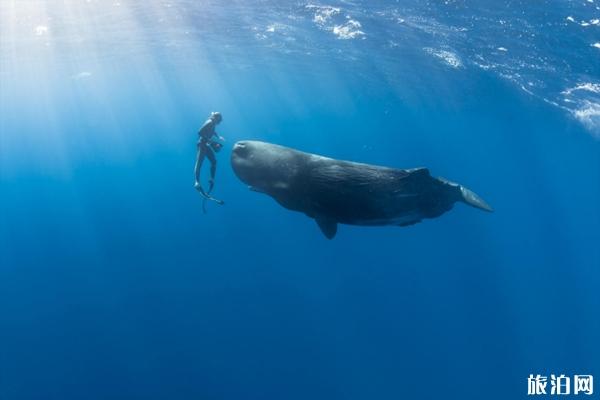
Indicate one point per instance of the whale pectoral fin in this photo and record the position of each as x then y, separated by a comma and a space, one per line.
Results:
328, 226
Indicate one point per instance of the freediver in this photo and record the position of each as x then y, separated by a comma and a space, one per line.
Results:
207, 147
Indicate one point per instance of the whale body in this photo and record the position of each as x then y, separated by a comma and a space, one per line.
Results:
344, 192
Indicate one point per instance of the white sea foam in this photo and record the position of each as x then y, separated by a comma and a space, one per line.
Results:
595, 21
41, 30
589, 87
329, 18
258, 34
502, 49
276, 27
448, 57
349, 30
589, 116
82, 75
323, 14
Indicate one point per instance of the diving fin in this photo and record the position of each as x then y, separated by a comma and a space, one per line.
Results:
207, 196
328, 227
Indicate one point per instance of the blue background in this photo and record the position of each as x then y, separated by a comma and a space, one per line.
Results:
114, 284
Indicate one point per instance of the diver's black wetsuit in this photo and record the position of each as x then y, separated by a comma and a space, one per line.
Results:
205, 134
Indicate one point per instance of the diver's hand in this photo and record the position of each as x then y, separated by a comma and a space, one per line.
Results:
197, 186
221, 138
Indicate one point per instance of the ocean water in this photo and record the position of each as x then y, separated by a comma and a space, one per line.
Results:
115, 285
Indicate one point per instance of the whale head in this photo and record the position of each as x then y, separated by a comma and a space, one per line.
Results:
265, 167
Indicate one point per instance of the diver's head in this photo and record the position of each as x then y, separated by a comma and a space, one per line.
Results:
216, 117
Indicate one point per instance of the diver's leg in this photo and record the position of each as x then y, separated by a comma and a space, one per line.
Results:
213, 168
198, 168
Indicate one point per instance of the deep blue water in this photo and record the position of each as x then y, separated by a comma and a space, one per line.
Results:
115, 285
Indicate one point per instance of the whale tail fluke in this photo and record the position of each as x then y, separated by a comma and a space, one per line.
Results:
474, 200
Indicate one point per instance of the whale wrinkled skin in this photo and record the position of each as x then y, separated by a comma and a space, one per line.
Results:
343, 192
